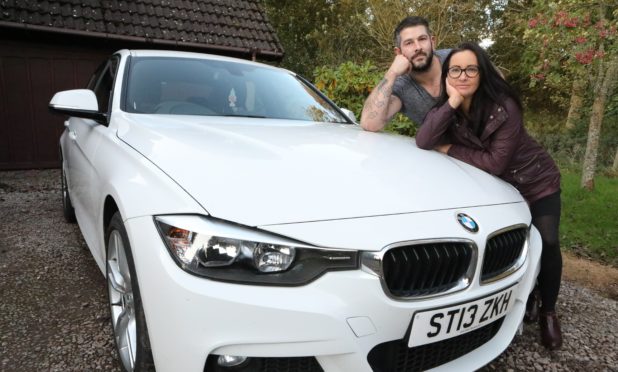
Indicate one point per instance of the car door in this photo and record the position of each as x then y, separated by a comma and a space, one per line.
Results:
85, 136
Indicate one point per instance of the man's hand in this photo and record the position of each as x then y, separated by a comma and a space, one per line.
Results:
400, 66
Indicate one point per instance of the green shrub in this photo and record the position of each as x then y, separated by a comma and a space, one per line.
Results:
568, 147
349, 84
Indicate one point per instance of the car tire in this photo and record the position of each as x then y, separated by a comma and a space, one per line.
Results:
126, 310
67, 206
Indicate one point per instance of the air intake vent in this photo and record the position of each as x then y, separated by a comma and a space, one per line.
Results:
396, 356
502, 253
426, 269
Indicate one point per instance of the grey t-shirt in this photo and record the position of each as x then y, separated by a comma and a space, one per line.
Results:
415, 100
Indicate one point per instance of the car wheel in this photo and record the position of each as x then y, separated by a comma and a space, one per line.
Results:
67, 206
127, 313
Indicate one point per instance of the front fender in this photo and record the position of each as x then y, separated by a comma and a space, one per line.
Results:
138, 187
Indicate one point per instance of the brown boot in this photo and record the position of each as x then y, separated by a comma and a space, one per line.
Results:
551, 335
533, 307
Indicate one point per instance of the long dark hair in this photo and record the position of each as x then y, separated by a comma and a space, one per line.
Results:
493, 89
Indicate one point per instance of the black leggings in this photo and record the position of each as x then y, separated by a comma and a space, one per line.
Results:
546, 219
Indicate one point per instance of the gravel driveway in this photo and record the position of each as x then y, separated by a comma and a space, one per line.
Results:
54, 314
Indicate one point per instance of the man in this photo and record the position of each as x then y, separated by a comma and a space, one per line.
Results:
412, 83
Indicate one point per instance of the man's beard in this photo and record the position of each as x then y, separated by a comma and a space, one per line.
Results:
425, 66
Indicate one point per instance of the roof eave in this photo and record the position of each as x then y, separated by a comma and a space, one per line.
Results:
251, 51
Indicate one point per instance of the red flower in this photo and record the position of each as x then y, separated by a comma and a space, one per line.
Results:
580, 39
571, 22
586, 57
533, 22
560, 18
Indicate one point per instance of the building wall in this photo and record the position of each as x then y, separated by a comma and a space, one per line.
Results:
33, 67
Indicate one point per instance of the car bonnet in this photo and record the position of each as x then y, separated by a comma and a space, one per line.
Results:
260, 172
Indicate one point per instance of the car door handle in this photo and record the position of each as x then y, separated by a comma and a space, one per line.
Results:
72, 133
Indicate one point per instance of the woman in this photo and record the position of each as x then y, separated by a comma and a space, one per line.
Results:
478, 120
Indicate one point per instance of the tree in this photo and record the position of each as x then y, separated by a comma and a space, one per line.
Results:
570, 41
318, 32
451, 22
330, 32
577, 102
509, 25
605, 82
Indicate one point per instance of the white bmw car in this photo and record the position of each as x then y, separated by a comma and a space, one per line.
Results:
246, 223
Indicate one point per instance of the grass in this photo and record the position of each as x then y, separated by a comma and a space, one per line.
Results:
589, 221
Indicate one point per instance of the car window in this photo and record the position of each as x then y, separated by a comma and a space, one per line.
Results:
183, 86
102, 83
96, 76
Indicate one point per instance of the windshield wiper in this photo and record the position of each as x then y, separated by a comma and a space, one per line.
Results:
244, 116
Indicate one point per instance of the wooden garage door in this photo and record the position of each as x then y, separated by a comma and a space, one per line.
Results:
30, 73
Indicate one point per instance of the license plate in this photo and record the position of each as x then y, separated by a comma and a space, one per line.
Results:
440, 324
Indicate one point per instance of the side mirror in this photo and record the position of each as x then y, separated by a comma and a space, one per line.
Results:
81, 103
350, 115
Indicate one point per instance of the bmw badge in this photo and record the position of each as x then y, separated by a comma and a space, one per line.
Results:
467, 222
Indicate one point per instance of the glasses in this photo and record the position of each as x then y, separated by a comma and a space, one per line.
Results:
471, 71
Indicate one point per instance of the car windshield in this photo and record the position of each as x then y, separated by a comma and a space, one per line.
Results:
185, 86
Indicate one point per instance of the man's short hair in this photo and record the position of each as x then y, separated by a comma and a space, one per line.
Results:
410, 21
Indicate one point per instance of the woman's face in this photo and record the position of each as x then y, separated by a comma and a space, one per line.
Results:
464, 73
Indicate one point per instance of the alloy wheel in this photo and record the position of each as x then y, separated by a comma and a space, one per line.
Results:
121, 301
65, 190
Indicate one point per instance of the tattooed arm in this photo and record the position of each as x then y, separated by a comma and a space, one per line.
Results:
381, 105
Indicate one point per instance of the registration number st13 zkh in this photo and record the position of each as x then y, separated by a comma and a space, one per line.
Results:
439, 324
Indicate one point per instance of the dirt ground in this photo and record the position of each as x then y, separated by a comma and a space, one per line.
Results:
54, 315
600, 278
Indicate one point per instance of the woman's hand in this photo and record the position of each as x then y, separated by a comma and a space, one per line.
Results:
454, 97
443, 148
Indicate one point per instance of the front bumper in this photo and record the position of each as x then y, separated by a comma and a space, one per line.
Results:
338, 319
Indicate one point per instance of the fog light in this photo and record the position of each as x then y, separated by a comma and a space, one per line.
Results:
230, 360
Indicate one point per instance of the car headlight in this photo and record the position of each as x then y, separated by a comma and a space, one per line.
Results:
224, 251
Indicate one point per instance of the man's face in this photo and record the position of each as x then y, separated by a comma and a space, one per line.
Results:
417, 46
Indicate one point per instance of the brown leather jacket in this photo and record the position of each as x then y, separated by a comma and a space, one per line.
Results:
504, 149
